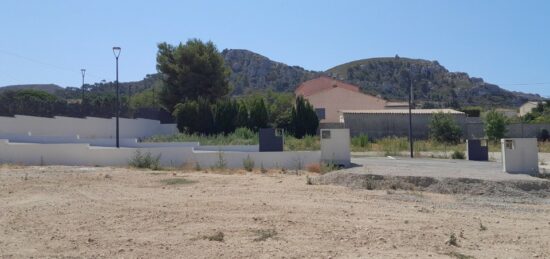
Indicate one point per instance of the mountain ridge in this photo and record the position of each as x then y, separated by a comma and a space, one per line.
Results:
433, 84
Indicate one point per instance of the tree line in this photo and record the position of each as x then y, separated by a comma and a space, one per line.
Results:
192, 85
196, 91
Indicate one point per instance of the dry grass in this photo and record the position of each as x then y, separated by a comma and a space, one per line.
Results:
314, 168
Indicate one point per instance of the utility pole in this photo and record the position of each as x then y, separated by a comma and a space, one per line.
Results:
410, 118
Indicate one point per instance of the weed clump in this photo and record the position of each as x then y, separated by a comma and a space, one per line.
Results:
176, 181
146, 160
453, 240
216, 237
458, 155
248, 164
482, 227
265, 234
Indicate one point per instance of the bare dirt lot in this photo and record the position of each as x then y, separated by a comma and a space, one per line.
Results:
113, 212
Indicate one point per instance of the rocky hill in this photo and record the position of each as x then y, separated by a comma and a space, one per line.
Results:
253, 72
433, 84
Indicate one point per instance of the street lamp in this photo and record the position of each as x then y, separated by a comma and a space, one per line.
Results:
116, 52
83, 71
410, 118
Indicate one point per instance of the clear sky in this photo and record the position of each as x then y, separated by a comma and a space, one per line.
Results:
504, 42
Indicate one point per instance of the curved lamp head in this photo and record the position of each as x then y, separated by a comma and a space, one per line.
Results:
116, 51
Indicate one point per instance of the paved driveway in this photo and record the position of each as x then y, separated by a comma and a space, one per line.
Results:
440, 168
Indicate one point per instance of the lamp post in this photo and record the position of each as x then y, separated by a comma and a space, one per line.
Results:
83, 71
116, 52
410, 118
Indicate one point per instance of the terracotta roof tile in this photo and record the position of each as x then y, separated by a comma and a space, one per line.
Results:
321, 84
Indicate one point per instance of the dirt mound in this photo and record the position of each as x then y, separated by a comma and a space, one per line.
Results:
516, 188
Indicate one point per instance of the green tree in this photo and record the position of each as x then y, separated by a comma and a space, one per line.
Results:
204, 122
242, 118
495, 125
186, 115
192, 70
31, 102
259, 117
224, 116
443, 128
304, 120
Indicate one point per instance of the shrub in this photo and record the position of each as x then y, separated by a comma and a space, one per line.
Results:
265, 234
443, 128
543, 135
458, 155
453, 240
304, 120
360, 141
328, 167
393, 145
145, 161
495, 125
321, 168
221, 163
244, 133
215, 237
248, 164
259, 117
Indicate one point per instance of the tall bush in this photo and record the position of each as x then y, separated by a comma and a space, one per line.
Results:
495, 125
304, 120
259, 117
224, 116
186, 115
443, 128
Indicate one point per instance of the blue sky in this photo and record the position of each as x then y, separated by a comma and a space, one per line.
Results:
504, 42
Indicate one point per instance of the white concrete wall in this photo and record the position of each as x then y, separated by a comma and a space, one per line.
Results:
102, 142
86, 155
522, 157
88, 127
336, 147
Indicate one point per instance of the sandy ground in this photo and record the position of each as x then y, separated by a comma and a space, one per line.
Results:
123, 213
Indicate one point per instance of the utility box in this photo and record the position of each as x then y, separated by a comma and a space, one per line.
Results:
520, 155
335, 147
478, 149
271, 140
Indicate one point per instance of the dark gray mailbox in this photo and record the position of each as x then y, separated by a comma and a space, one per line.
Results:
478, 150
271, 140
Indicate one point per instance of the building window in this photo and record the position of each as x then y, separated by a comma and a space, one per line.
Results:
320, 113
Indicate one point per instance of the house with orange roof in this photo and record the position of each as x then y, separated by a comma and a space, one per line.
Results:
328, 96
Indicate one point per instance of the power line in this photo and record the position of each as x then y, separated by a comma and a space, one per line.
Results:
46, 64
541, 83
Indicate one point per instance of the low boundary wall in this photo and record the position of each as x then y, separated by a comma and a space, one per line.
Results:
89, 127
174, 156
